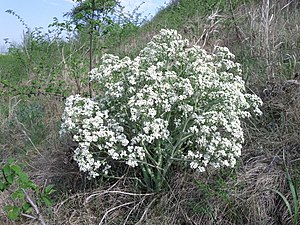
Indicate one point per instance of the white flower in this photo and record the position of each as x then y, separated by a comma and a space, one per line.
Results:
170, 95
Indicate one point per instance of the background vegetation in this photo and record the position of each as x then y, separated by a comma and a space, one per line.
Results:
37, 74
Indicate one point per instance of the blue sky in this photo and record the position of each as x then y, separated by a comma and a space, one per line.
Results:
40, 13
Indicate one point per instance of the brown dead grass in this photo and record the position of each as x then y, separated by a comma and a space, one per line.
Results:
246, 201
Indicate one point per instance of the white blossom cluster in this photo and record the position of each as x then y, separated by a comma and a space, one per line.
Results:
171, 101
96, 134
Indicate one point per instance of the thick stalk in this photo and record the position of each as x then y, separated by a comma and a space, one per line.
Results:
177, 146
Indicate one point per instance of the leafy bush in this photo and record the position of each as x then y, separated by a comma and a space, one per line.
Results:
15, 179
172, 103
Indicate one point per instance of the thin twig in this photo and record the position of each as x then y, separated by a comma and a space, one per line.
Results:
237, 30
133, 208
114, 208
24, 132
57, 208
28, 216
145, 212
115, 192
36, 209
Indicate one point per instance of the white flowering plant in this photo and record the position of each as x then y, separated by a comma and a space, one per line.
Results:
172, 103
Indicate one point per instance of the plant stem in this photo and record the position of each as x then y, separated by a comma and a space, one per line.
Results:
177, 146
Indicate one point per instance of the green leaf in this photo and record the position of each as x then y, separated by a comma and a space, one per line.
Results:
47, 200
23, 177
2, 186
10, 178
30, 185
7, 208
26, 207
10, 161
285, 201
7, 170
17, 169
295, 198
49, 189
18, 194
14, 213
293, 190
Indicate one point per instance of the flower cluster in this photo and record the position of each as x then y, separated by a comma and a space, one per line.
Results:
171, 101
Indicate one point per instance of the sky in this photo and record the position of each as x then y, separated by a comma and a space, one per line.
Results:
40, 13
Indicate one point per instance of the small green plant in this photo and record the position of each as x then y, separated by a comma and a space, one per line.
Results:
293, 209
26, 195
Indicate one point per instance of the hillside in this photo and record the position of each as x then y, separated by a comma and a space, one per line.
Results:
261, 188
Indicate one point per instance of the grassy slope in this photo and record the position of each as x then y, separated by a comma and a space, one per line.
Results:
266, 46
242, 26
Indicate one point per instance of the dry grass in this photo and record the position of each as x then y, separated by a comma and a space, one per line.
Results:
270, 34
247, 201
265, 37
243, 199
